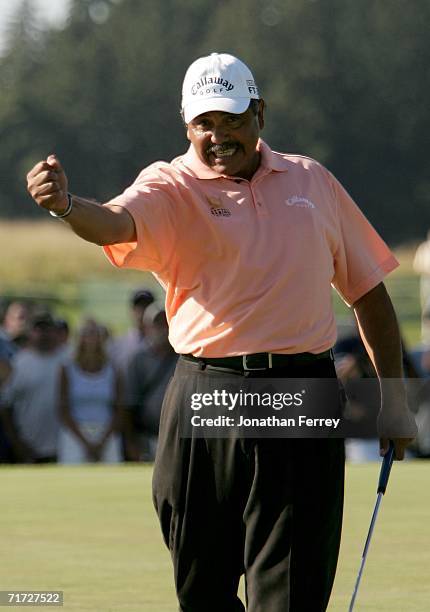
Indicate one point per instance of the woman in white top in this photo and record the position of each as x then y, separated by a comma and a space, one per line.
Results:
90, 404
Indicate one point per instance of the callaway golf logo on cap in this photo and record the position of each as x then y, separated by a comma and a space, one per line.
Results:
203, 86
217, 82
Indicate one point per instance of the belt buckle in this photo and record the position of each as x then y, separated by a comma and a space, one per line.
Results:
251, 369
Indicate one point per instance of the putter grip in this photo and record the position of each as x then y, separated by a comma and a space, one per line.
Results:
386, 469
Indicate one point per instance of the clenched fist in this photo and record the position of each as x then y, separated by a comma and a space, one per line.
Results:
47, 185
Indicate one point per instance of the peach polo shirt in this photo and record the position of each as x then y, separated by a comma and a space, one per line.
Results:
248, 265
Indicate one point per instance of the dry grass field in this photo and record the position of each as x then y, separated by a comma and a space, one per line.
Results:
47, 252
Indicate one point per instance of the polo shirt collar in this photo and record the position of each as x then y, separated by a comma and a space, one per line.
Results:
270, 161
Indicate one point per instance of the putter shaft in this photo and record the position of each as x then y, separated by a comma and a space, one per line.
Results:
382, 485
366, 548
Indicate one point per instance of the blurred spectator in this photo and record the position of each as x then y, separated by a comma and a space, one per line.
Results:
63, 334
3, 308
124, 347
420, 355
421, 265
421, 444
147, 378
421, 359
6, 352
15, 323
90, 400
29, 398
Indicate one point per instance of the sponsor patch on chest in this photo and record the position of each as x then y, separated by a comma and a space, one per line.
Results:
216, 207
300, 201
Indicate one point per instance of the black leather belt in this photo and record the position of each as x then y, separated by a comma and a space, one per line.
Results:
260, 361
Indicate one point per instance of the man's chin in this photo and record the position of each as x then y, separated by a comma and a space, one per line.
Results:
225, 166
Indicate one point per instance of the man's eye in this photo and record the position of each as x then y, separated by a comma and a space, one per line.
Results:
233, 121
202, 125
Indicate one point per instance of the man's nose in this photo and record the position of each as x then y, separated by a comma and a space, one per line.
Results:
219, 134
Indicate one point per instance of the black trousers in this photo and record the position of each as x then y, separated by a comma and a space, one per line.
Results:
267, 508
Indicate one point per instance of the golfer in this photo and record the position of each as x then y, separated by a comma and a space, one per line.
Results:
247, 243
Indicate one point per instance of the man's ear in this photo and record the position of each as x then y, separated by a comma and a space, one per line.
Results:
187, 130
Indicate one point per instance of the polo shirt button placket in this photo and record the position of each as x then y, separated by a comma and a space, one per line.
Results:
258, 203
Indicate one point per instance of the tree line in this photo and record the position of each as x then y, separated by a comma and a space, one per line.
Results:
345, 82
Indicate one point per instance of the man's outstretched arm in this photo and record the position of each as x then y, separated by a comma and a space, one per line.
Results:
102, 224
380, 333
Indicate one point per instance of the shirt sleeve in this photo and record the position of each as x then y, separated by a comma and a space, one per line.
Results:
152, 208
362, 259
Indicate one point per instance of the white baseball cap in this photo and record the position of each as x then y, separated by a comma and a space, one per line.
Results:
217, 82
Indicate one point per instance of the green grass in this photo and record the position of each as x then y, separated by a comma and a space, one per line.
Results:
92, 532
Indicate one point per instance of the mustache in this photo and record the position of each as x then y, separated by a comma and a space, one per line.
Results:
225, 146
